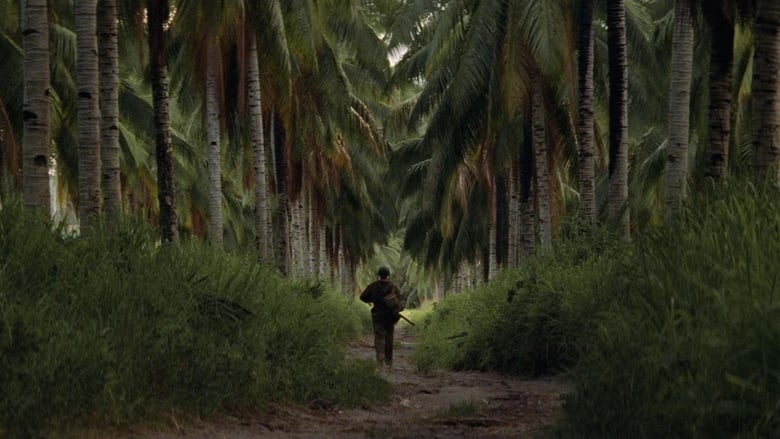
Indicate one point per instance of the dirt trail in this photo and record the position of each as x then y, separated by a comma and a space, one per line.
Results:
441, 404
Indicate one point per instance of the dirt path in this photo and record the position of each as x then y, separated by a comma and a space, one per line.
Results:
432, 405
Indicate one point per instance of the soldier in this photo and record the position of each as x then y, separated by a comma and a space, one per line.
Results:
386, 311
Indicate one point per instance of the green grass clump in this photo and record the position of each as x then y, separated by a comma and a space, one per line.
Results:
463, 409
112, 328
534, 320
691, 346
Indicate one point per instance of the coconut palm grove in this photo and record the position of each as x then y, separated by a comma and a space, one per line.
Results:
193, 194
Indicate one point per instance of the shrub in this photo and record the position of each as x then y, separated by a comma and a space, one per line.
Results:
534, 320
112, 328
690, 348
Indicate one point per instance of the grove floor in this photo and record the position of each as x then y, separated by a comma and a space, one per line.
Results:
442, 404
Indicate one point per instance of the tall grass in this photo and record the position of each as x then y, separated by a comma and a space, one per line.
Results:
111, 328
534, 320
676, 335
691, 347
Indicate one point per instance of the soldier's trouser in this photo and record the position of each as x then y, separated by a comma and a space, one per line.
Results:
383, 341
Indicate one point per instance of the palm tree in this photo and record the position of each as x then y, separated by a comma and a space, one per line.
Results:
11, 98
321, 127
267, 18
720, 15
527, 196
618, 116
37, 93
542, 185
9, 157
214, 160
88, 113
281, 217
263, 224
157, 20
766, 101
108, 47
478, 93
585, 127
679, 103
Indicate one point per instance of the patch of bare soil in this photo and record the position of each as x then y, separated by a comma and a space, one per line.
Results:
442, 404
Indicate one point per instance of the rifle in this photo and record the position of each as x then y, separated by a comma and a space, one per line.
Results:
403, 317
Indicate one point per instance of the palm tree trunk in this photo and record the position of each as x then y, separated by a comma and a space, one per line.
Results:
721, 60
766, 101
351, 284
585, 127
37, 92
214, 144
439, 289
260, 158
679, 104
10, 178
297, 234
87, 78
540, 157
342, 265
108, 47
282, 214
514, 216
312, 234
459, 278
618, 117
157, 18
492, 259
323, 251
331, 240
527, 205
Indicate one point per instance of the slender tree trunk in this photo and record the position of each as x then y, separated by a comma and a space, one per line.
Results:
36, 105
297, 234
618, 117
282, 213
10, 166
213, 58
312, 233
679, 104
540, 156
513, 224
331, 240
527, 205
502, 217
492, 259
351, 284
342, 261
262, 202
108, 43
323, 250
439, 289
459, 278
585, 126
721, 76
157, 17
88, 113
766, 101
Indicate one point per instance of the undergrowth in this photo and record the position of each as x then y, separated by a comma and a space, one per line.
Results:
674, 335
690, 347
533, 320
112, 328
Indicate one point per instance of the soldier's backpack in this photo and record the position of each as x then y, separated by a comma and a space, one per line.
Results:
392, 301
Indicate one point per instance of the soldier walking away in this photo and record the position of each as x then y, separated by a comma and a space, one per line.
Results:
385, 313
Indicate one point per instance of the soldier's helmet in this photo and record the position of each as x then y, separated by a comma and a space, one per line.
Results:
383, 272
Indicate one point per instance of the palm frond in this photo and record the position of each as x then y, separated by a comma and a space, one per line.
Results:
266, 17
479, 53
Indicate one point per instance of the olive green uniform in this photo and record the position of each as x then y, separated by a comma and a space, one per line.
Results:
383, 318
